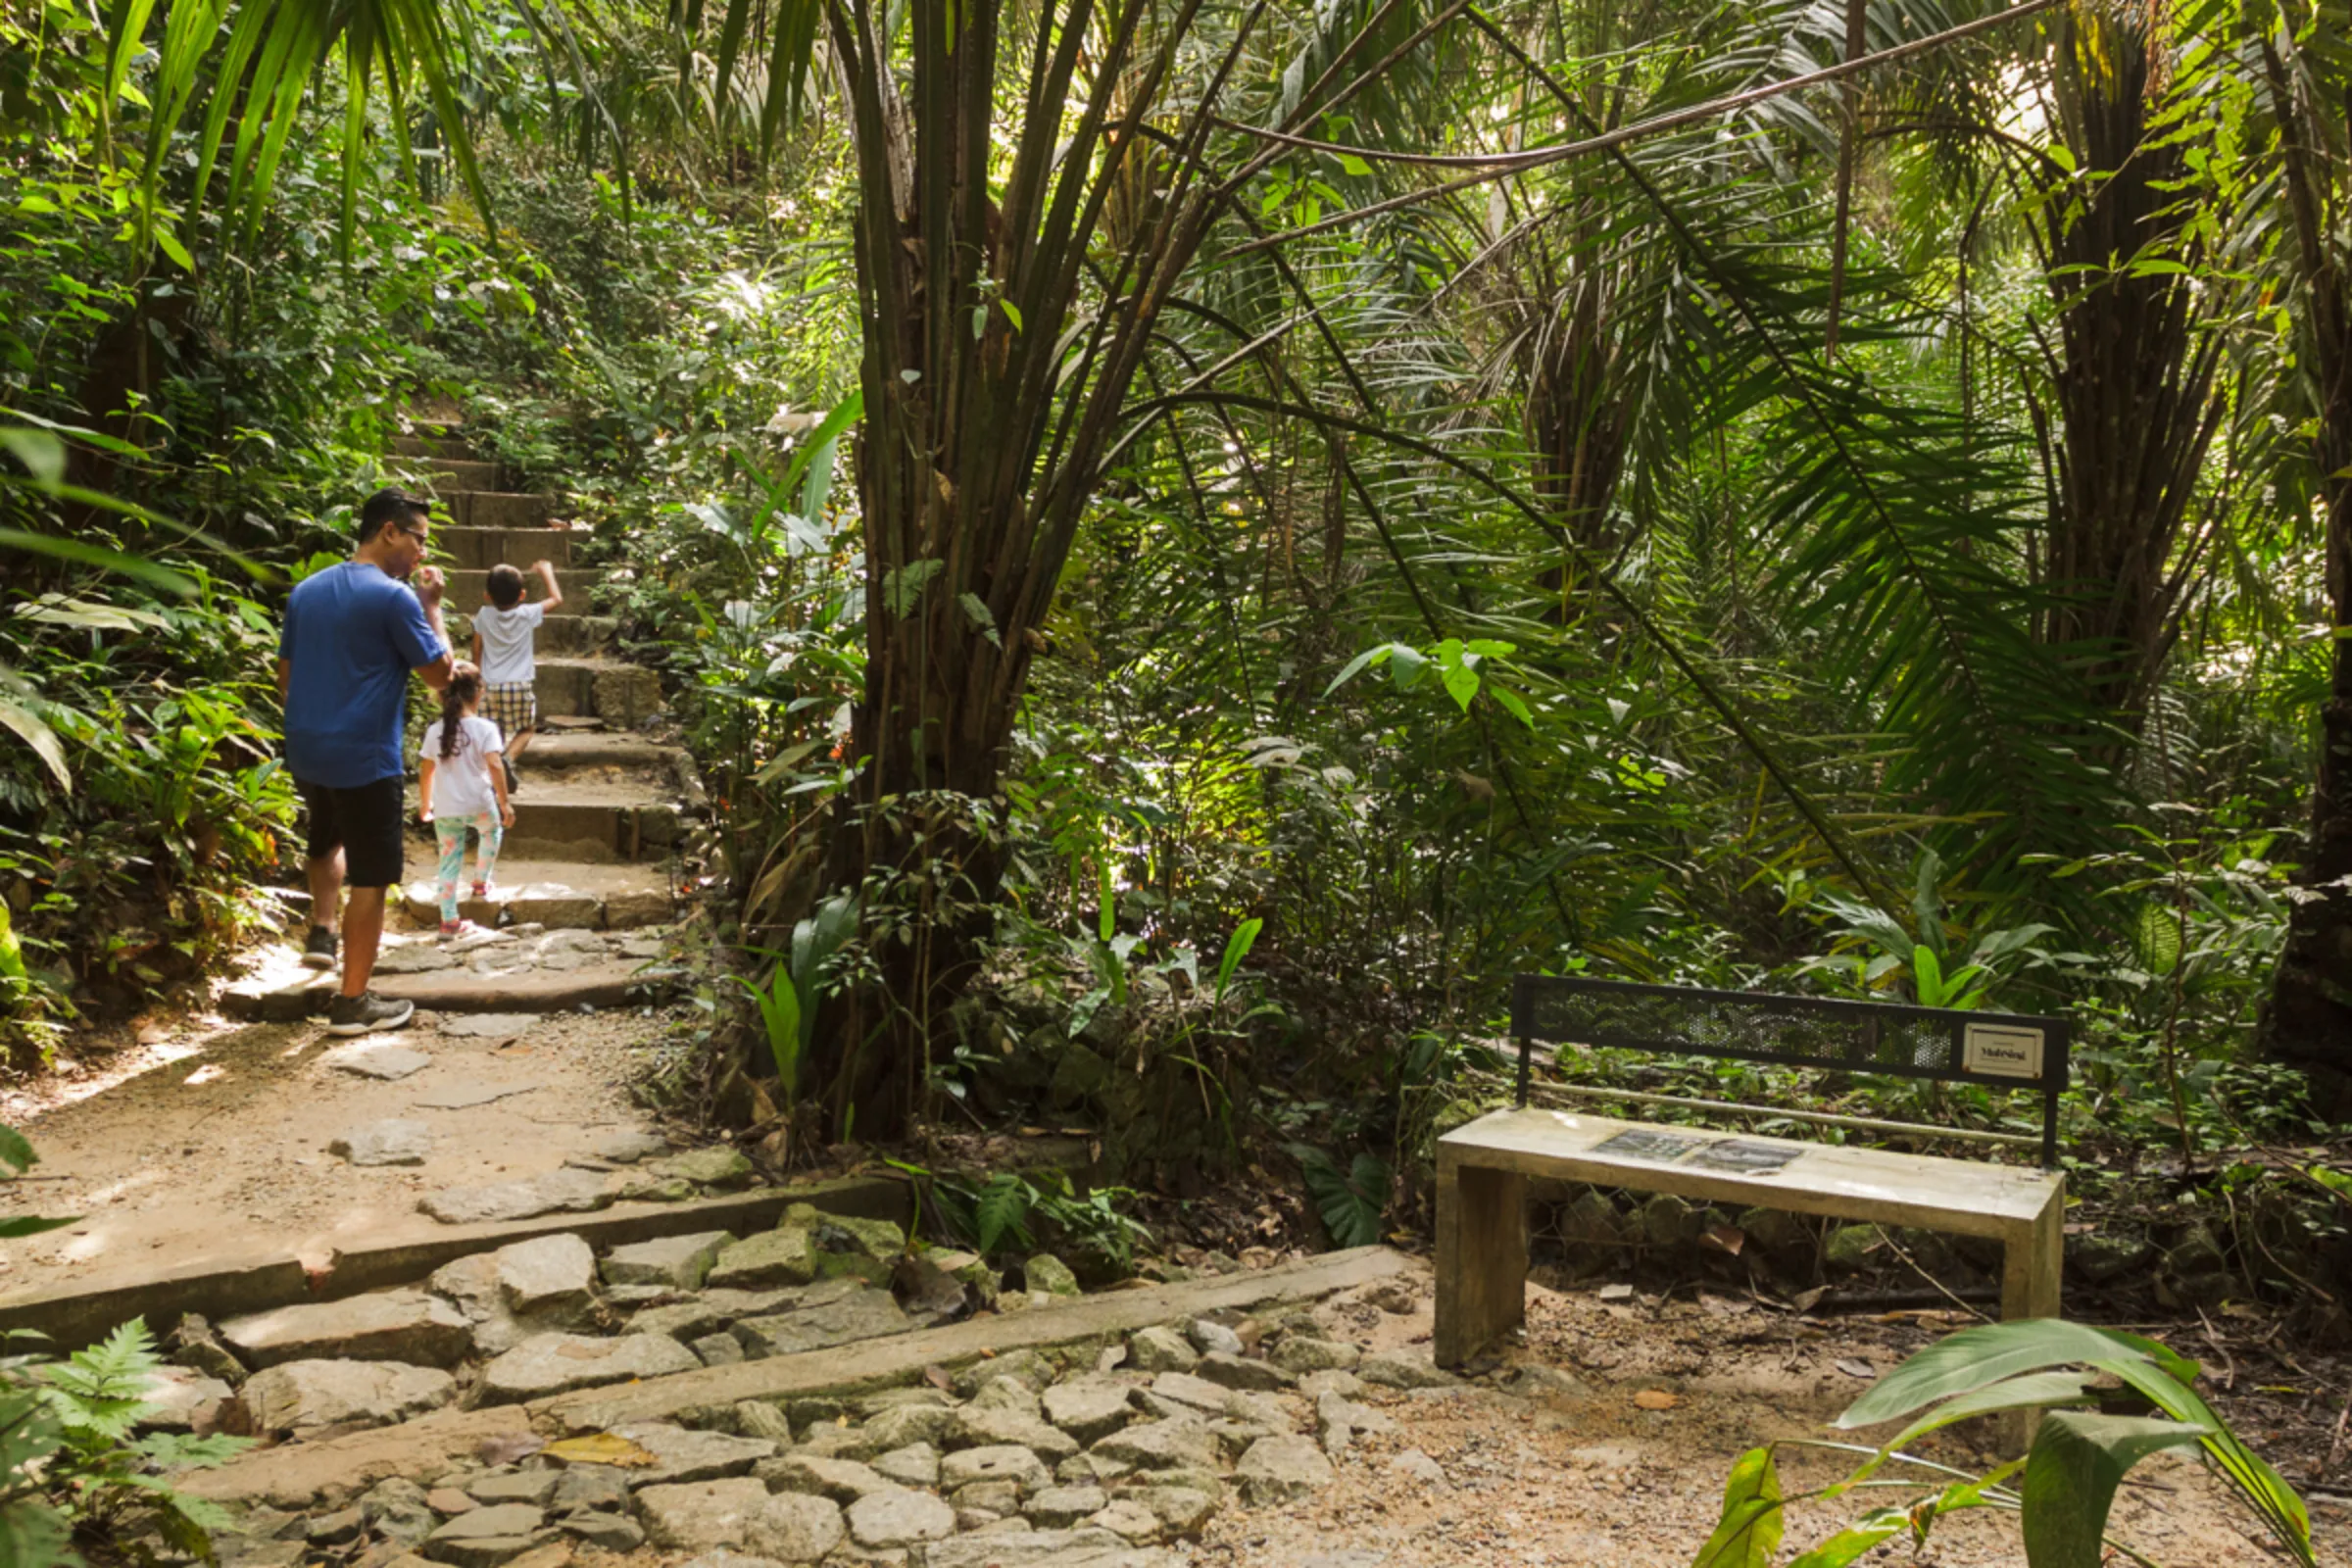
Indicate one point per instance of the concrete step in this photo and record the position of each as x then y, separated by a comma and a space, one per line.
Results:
572, 751
433, 440
561, 635
621, 693
559, 895
586, 819
480, 549
491, 509
448, 475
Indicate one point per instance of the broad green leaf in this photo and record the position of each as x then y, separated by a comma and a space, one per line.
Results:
1749, 1530
2034, 1391
1873, 1529
37, 734
1990, 1353
42, 454
1357, 664
1461, 684
2079, 1459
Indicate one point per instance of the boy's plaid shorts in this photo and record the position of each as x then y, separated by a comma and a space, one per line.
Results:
513, 705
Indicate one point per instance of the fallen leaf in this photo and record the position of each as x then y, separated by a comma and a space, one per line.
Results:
1729, 1237
1657, 1399
938, 1377
1803, 1300
1857, 1369
153, 1033
601, 1447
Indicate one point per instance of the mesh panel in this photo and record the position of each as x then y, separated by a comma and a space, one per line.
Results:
1853, 1036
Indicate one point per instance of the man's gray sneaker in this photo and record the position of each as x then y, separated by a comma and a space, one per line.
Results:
319, 952
358, 1015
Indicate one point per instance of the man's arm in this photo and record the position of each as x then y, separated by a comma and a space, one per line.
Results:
285, 677
429, 589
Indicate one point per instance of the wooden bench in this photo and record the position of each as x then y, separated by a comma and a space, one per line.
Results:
1482, 1168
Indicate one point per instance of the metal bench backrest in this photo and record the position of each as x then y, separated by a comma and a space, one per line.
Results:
1998, 1049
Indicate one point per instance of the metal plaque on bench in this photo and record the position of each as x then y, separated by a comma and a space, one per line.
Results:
1745, 1157
1642, 1143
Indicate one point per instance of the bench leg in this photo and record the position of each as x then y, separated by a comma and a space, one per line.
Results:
1482, 1259
2031, 1263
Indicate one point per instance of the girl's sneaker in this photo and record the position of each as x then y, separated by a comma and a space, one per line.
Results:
459, 928
481, 889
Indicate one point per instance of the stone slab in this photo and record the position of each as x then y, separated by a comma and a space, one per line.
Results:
555, 1192
489, 1025
394, 1326
390, 1141
552, 1363
465, 1095
374, 1058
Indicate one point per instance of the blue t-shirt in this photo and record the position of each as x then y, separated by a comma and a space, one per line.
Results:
352, 636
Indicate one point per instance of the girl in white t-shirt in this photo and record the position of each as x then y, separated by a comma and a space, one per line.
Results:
462, 785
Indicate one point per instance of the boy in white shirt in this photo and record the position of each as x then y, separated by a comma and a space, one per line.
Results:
458, 787
504, 634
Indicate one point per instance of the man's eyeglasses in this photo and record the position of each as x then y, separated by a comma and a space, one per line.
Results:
421, 535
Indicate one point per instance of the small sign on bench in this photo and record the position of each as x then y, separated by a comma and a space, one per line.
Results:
1710, 1154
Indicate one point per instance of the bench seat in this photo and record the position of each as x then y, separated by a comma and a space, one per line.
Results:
1482, 1209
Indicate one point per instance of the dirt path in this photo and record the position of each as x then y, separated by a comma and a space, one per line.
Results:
209, 1144
1568, 1471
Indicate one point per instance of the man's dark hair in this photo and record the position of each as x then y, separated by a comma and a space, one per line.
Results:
390, 505
505, 586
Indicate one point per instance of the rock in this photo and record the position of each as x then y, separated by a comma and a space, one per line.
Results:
1058, 1507
1315, 1385
773, 1257
1181, 1510
1395, 1370
683, 1453
1022, 1366
983, 1426
1398, 1298
1533, 1380
1282, 1469
2195, 1253
719, 1350
1182, 1440
1848, 1248
700, 1514
194, 1346
297, 1397
758, 1418
399, 1510
723, 1559
487, 1025
911, 1424
2209, 1291
583, 1487
796, 1526
414, 958
989, 1501
547, 1278
864, 1314
391, 1142
501, 1552
1779, 1232
559, 1192
1088, 1410
448, 1500
376, 1058
408, 1326
2100, 1257
508, 1519
552, 1363
628, 1148
1414, 1465
179, 1399
1665, 1220
842, 1480
682, 1261
642, 1188
334, 1529
1207, 1335
834, 1441
915, 1465
1049, 1274
1127, 1519
900, 1517
532, 1486
846, 1247
1240, 1372
1298, 1354
705, 1168
1160, 1350
1014, 1548
1179, 1393
1002, 1462
614, 1532
1338, 1420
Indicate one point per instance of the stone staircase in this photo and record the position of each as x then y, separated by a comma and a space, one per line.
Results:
600, 809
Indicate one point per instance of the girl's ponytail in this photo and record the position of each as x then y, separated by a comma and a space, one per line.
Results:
464, 689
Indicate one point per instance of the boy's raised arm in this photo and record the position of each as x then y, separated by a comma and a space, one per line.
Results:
547, 574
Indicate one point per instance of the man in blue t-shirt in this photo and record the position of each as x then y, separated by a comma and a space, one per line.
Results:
353, 633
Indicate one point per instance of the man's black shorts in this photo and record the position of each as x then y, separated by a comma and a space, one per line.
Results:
363, 823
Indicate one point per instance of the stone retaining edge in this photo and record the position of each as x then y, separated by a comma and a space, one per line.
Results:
75, 1316
293, 1475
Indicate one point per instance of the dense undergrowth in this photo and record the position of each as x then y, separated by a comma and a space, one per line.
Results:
1327, 709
